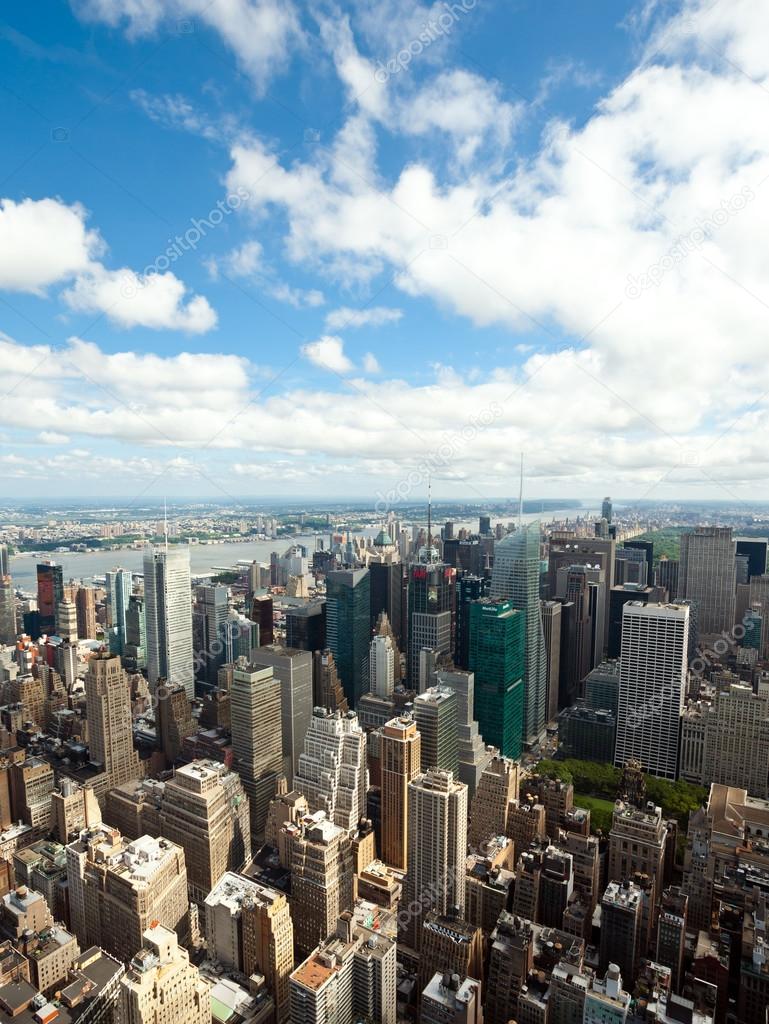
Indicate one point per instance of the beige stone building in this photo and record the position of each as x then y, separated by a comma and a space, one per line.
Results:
321, 878
161, 986
400, 754
108, 707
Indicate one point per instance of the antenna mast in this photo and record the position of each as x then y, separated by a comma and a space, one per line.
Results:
520, 497
165, 523
429, 517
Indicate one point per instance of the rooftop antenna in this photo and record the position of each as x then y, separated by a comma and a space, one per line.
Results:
429, 517
520, 497
165, 523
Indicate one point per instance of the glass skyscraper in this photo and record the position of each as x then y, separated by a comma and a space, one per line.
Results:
348, 615
515, 578
168, 609
496, 656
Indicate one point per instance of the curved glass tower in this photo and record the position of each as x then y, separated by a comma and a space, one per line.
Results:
515, 578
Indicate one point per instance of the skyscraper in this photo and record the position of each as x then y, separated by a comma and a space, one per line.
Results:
161, 986
332, 772
381, 662
348, 618
293, 669
515, 578
209, 615
321, 878
5, 561
551, 623
7, 611
436, 713
400, 753
119, 587
85, 601
707, 574
430, 612
168, 611
437, 849
497, 658
50, 591
606, 509
652, 685
108, 707
257, 752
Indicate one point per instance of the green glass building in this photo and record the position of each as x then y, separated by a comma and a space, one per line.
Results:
348, 611
497, 658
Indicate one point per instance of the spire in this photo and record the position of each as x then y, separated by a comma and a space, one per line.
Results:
429, 516
520, 497
165, 523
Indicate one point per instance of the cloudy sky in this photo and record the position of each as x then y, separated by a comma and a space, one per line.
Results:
287, 247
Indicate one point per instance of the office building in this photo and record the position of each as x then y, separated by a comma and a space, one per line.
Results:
73, 808
587, 734
436, 713
50, 592
637, 843
515, 578
168, 615
666, 576
431, 587
209, 615
387, 593
707, 575
619, 597
451, 945
66, 621
306, 626
161, 986
5, 560
332, 774
326, 684
108, 708
262, 613
381, 661
249, 931
118, 888
437, 846
652, 690
472, 753
606, 1001
7, 611
293, 670
450, 999
566, 549
755, 548
753, 996
348, 615
551, 625
630, 566
671, 934
31, 785
497, 658
257, 754
173, 723
621, 931
119, 586
400, 763
646, 548
321, 878
498, 786
469, 588
350, 976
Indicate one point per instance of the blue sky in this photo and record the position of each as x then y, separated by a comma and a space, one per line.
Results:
427, 221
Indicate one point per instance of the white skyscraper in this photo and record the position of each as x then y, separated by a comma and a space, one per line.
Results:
515, 578
652, 685
168, 607
333, 773
381, 663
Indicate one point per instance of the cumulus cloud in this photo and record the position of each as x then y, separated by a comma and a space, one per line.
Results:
328, 353
373, 316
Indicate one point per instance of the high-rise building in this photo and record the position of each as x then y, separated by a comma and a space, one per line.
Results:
637, 843
671, 934
568, 549
666, 576
450, 944
293, 669
551, 624
430, 613
262, 614
621, 912
350, 976
249, 931
168, 613
5, 560
436, 713
209, 615
606, 509
173, 723
381, 662
108, 707
400, 754
469, 588
118, 888
437, 848
161, 986
472, 753
306, 626
85, 602
135, 651
707, 575
257, 753
647, 548
497, 658
619, 597
205, 810
498, 786
348, 615
119, 584
66, 621
321, 878
32, 784
754, 965
449, 999
652, 686
515, 578
332, 773
7, 611
50, 591
73, 808
387, 592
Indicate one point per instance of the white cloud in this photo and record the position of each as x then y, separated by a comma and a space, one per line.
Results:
371, 363
262, 33
51, 437
373, 316
177, 112
138, 300
328, 353
297, 297
42, 242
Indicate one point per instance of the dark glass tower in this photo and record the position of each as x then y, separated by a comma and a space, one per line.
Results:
50, 593
348, 612
431, 612
496, 655
469, 588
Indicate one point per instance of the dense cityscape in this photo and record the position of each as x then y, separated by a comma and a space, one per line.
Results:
513, 771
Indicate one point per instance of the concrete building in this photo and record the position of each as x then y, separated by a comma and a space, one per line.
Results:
31, 786
489, 811
108, 708
707, 575
436, 713
621, 930
161, 986
448, 999
255, 710
293, 669
653, 683
400, 760
321, 878
437, 845
637, 845
450, 945
117, 888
